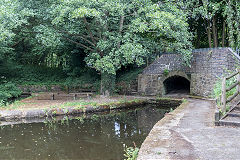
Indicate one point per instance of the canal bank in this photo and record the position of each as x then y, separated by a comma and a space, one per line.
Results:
189, 133
97, 135
31, 109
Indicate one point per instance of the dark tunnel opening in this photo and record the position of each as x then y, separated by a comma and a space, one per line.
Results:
177, 84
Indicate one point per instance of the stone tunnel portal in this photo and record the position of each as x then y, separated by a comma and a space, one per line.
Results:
176, 84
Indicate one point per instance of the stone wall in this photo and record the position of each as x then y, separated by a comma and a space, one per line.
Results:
148, 84
171, 62
207, 67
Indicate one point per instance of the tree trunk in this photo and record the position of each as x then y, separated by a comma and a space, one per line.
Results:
223, 32
215, 37
209, 34
107, 84
197, 42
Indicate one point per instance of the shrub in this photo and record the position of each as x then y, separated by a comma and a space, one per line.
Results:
8, 90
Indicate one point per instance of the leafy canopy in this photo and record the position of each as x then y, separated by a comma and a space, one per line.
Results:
11, 17
116, 33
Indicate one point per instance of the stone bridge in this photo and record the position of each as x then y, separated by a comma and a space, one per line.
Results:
168, 74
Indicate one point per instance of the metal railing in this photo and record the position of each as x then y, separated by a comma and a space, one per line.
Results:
224, 98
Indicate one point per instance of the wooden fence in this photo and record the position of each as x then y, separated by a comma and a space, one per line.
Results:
224, 98
238, 51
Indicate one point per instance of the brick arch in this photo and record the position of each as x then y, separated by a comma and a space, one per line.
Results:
163, 78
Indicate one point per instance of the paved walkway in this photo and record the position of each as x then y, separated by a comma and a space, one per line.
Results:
189, 133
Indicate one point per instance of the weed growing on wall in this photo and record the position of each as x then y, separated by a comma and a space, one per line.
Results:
165, 72
131, 153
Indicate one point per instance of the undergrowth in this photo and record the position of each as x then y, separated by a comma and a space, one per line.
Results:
217, 91
129, 76
8, 90
131, 153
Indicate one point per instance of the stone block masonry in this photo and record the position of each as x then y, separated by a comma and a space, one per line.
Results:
207, 67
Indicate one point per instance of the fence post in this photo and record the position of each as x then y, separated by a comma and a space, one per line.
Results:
238, 81
52, 96
223, 98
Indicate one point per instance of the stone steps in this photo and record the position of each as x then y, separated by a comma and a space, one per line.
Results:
234, 115
229, 123
232, 118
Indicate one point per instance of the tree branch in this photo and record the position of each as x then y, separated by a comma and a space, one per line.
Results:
89, 30
82, 37
15, 44
120, 28
80, 44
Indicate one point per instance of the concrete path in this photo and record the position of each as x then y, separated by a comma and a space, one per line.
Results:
189, 133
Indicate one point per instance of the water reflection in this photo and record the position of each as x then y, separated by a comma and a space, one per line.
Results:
94, 138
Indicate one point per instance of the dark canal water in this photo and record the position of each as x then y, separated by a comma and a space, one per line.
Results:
89, 137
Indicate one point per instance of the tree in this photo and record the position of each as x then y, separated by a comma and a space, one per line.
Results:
220, 19
11, 17
112, 33
232, 18
116, 33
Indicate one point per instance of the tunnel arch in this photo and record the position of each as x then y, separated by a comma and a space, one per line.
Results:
175, 82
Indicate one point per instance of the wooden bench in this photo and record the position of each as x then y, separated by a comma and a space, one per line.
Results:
88, 94
74, 95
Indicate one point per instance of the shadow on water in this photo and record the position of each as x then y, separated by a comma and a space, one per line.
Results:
87, 137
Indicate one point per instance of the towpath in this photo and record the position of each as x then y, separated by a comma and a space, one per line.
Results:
189, 133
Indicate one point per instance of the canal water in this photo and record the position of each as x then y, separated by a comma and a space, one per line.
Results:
87, 137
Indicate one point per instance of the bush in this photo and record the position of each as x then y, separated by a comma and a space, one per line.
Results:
7, 91
43, 75
31, 74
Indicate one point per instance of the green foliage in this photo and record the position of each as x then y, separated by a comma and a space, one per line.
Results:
184, 100
166, 25
30, 74
107, 84
129, 76
113, 33
43, 75
8, 90
12, 15
130, 152
78, 104
86, 80
107, 34
165, 72
213, 19
232, 14
126, 80
70, 36
222, 113
217, 91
